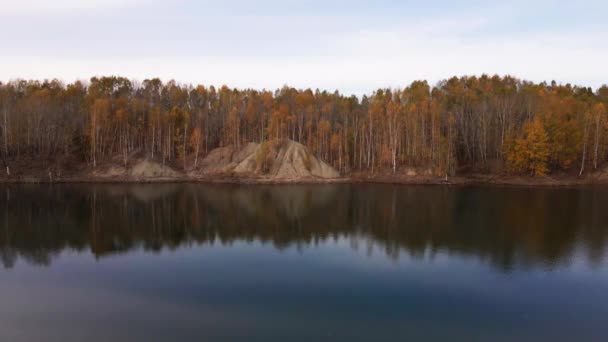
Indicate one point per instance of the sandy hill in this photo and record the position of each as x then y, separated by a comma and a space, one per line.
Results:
140, 168
284, 159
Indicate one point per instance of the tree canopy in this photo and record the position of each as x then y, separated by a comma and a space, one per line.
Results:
484, 124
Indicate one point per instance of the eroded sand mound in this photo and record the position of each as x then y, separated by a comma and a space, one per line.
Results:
226, 159
295, 161
142, 168
284, 159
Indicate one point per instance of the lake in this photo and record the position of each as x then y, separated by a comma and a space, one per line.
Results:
159, 262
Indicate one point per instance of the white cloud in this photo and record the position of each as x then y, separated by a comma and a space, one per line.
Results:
43, 6
351, 54
373, 61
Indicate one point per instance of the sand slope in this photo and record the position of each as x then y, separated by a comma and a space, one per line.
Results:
284, 159
141, 168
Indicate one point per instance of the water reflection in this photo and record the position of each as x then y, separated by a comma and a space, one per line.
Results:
506, 227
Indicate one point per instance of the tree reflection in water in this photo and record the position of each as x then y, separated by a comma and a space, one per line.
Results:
507, 227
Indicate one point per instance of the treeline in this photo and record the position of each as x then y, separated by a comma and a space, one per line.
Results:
481, 124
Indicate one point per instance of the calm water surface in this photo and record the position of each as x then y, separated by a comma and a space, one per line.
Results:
302, 263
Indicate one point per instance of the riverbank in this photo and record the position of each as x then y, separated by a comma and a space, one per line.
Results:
70, 170
484, 179
473, 179
280, 162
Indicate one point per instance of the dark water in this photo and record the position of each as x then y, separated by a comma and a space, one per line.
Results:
302, 263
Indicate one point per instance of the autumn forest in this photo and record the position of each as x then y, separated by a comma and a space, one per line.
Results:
486, 124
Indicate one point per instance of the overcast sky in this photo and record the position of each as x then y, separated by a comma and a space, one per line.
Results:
354, 46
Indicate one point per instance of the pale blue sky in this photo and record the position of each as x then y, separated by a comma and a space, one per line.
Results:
353, 46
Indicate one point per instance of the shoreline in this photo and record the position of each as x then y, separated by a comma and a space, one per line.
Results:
493, 180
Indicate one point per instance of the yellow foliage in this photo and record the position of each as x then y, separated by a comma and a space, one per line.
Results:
195, 138
530, 153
